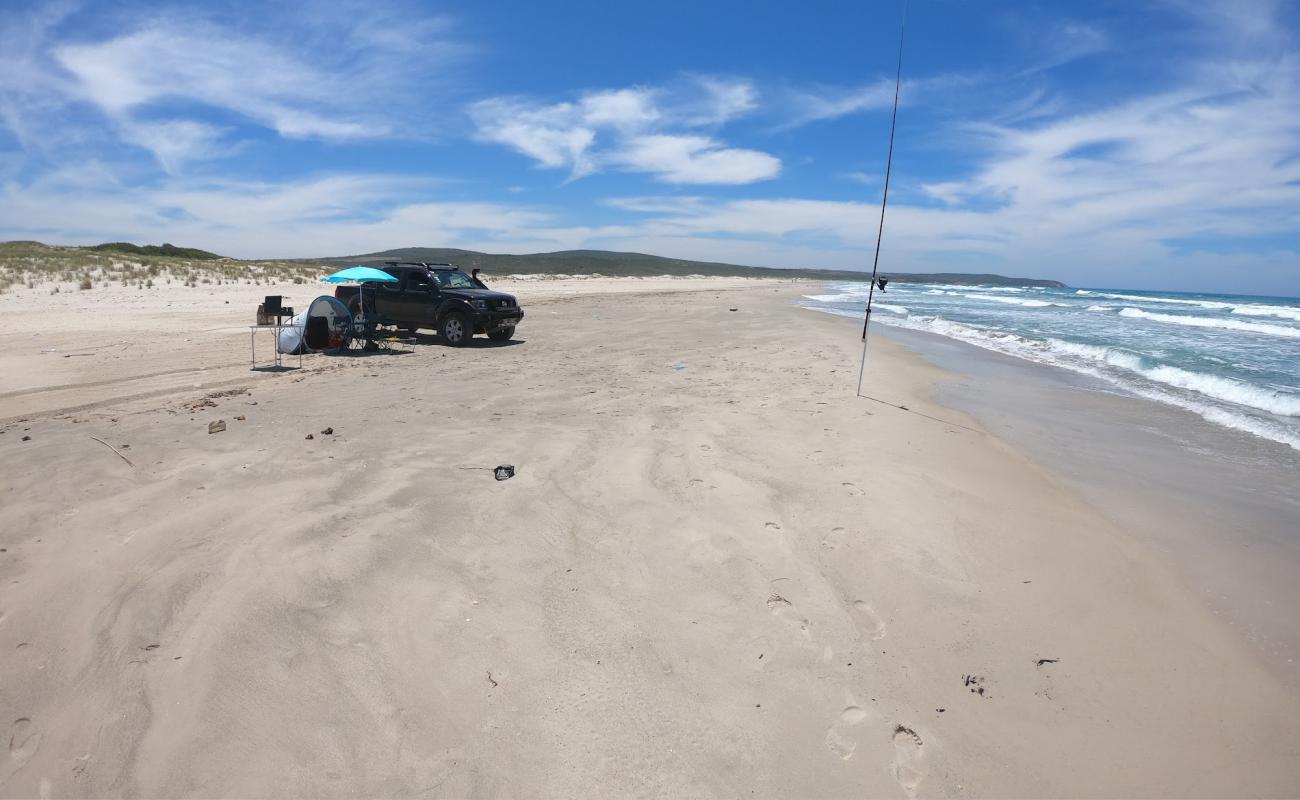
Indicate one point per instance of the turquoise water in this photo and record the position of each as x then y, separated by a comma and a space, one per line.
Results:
1233, 359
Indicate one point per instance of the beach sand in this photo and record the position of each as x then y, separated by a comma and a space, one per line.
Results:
715, 573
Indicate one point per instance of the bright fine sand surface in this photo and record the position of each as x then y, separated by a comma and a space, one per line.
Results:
716, 573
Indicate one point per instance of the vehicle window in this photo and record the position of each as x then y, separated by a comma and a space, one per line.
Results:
454, 280
418, 282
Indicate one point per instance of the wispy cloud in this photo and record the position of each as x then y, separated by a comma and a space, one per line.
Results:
179, 84
1063, 41
814, 104
637, 129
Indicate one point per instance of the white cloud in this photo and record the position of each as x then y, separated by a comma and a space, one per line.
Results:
719, 101
179, 84
623, 109
633, 129
175, 142
694, 159
554, 136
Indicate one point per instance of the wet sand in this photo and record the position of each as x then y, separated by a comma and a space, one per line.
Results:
1221, 504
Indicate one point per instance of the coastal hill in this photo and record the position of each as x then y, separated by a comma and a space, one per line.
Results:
607, 262
33, 264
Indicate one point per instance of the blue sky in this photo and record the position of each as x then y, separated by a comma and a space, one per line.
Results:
1126, 144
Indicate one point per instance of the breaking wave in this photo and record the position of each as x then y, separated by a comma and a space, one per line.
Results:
1282, 312
1015, 301
1213, 322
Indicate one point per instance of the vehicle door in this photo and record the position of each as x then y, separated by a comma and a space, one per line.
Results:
419, 297
388, 296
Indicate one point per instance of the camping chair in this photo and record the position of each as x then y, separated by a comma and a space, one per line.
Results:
364, 329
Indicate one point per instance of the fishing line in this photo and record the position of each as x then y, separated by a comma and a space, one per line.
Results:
884, 198
919, 413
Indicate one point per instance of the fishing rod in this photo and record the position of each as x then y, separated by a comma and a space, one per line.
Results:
884, 200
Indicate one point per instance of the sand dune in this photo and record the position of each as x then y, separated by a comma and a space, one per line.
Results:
716, 573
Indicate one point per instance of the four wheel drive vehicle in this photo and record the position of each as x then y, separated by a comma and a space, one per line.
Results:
437, 297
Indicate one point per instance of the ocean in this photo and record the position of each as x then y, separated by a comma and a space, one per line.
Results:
1232, 359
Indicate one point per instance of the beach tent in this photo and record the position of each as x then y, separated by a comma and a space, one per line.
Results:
318, 328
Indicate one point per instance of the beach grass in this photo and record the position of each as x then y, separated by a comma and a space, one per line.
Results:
54, 269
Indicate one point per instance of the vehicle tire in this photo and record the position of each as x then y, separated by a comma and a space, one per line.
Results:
456, 329
501, 334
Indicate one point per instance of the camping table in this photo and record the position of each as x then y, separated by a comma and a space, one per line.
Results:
278, 361
387, 342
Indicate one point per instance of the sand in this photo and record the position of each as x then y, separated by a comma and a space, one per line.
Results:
715, 573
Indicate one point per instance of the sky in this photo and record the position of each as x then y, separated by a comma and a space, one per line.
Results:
1102, 143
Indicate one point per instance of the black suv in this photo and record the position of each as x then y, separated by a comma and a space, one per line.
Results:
439, 297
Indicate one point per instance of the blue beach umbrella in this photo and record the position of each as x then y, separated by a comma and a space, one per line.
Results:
359, 274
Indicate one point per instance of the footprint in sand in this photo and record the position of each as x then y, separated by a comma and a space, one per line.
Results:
835, 539
907, 759
785, 610
853, 490
840, 738
23, 740
870, 623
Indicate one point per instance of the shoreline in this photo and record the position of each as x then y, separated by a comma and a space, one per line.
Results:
727, 577
1216, 501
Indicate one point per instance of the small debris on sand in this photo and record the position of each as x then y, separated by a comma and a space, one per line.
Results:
217, 427
328, 431
27, 438
975, 683
115, 450
309, 436
1040, 662
240, 418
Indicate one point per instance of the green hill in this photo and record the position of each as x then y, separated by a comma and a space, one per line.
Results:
155, 250
606, 262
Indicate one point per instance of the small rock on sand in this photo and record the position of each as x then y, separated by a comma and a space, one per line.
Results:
217, 427
310, 436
